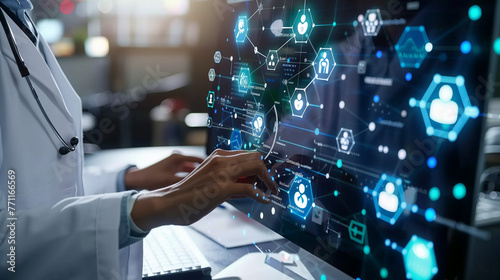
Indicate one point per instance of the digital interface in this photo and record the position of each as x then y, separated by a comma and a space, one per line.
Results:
369, 116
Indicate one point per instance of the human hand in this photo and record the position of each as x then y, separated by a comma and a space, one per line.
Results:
162, 173
210, 184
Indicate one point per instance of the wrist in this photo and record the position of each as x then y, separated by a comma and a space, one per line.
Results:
132, 178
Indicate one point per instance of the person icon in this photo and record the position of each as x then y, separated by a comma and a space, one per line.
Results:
344, 141
371, 23
272, 62
303, 25
387, 200
324, 64
443, 109
298, 103
241, 28
300, 198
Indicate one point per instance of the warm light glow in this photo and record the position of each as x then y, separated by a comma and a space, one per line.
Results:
96, 46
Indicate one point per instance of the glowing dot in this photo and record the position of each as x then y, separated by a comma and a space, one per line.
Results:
342, 77
314, 205
355, 23
379, 54
365, 189
380, 148
67, 7
452, 136
402, 154
387, 242
496, 46
257, 194
386, 150
384, 273
372, 126
459, 191
323, 277
413, 102
339, 163
321, 106
316, 131
233, 217
273, 211
465, 47
261, 215
366, 249
363, 212
408, 76
414, 208
422, 104
334, 23
475, 12
432, 162
428, 47
361, 18
336, 193
376, 98
394, 245
430, 215
434, 193
341, 104
248, 215
327, 175
231, 58
404, 113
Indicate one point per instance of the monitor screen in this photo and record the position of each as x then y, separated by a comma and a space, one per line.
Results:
369, 116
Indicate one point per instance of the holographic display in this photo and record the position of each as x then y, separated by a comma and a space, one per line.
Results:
369, 117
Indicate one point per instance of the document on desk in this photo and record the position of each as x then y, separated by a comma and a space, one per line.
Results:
231, 228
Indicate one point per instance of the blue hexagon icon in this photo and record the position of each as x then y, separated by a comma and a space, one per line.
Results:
258, 124
345, 140
241, 29
324, 64
244, 80
272, 60
298, 102
210, 99
413, 46
211, 74
372, 22
235, 142
302, 26
300, 197
389, 199
446, 107
217, 57
419, 259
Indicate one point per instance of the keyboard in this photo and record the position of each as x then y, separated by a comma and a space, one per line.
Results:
169, 253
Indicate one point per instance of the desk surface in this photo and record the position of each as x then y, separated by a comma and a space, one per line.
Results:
218, 256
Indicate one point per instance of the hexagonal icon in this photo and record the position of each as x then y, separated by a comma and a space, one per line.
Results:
299, 103
272, 60
446, 107
244, 80
372, 22
211, 74
345, 140
302, 26
209, 122
412, 47
324, 64
258, 124
389, 199
419, 259
211, 99
217, 57
235, 142
241, 29
300, 197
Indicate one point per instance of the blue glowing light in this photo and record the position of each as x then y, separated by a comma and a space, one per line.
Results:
459, 191
387, 242
496, 46
379, 54
432, 162
376, 98
339, 163
434, 193
316, 131
323, 277
419, 259
430, 215
465, 47
408, 76
414, 208
475, 12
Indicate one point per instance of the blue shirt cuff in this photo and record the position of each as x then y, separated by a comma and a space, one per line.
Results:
129, 233
120, 182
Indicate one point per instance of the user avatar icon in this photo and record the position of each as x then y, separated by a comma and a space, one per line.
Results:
324, 64
443, 109
241, 29
272, 62
300, 198
344, 141
371, 23
257, 124
387, 200
303, 25
298, 103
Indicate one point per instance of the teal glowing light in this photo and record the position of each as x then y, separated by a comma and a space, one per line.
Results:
475, 12
434, 193
339, 163
459, 191
384, 273
366, 250
363, 212
496, 46
419, 259
323, 277
336, 193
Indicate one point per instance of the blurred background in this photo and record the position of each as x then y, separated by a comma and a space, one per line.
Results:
140, 66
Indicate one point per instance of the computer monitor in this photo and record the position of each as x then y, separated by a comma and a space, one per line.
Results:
369, 116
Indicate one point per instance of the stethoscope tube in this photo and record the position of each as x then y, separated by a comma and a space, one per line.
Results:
23, 70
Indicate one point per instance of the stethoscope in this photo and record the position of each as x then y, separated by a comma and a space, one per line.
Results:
65, 149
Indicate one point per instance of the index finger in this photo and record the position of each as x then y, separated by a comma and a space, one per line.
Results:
250, 166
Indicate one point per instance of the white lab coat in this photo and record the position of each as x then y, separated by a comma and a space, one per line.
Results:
59, 233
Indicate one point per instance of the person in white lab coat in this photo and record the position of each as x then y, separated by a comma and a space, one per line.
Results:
52, 225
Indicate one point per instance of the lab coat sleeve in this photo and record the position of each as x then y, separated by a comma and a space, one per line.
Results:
75, 239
